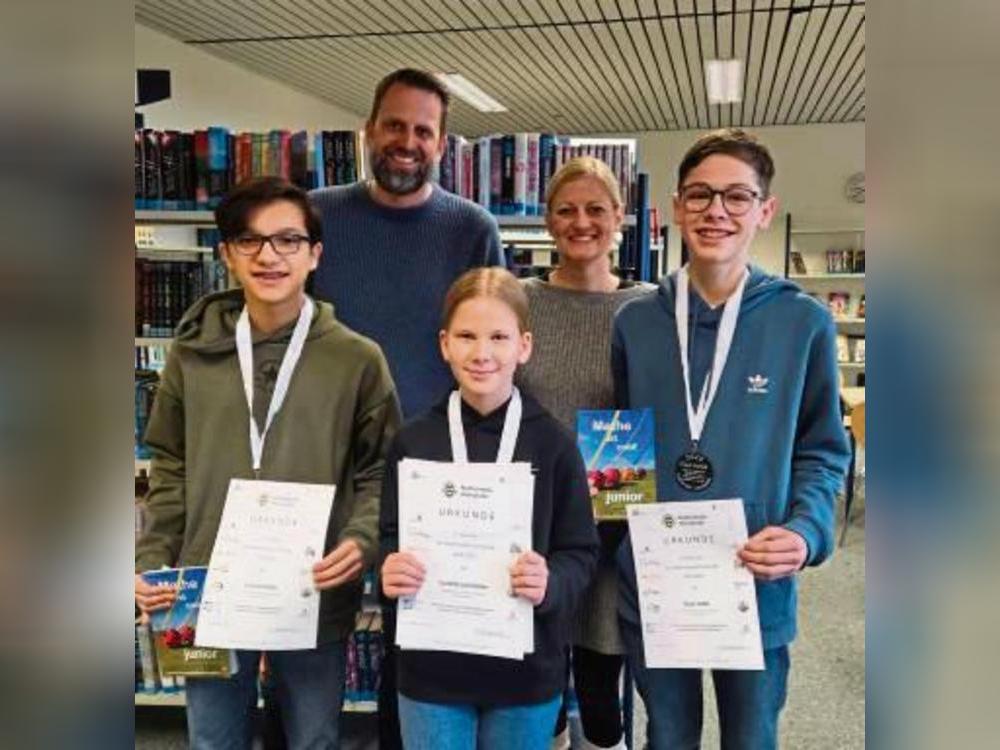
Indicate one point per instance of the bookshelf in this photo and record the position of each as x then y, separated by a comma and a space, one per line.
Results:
829, 264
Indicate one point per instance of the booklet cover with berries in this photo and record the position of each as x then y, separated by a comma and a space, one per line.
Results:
618, 448
174, 629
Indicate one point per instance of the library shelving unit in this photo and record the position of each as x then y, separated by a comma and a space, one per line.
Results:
171, 236
829, 263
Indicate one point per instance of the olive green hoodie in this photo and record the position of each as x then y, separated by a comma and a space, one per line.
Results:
339, 416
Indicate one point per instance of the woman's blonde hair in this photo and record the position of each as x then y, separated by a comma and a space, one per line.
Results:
583, 166
492, 281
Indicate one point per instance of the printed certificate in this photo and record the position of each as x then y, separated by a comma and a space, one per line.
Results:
697, 602
466, 523
259, 592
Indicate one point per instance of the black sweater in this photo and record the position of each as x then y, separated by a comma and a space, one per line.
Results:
562, 531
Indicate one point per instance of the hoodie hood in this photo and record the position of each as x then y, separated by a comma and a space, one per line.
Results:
209, 325
761, 287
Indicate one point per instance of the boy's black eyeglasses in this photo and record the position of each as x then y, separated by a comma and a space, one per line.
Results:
283, 244
736, 200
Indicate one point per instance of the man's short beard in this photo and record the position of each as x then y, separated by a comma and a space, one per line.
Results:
398, 183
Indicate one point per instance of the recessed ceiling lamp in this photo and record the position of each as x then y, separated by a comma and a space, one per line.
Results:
724, 81
466, 90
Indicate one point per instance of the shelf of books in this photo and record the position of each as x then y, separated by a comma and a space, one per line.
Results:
181, 176
829, 264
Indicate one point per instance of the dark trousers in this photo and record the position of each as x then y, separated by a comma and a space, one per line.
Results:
596, 678
389, 737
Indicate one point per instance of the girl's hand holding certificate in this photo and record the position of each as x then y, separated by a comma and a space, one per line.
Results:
529, 577
402, 575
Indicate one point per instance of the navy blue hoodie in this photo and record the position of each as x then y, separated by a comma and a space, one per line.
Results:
563, 533
774, 433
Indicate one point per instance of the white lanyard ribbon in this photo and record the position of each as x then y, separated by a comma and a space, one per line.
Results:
244, 351
724, 340
511, 425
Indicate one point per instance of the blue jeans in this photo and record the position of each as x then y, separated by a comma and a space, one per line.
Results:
748, 702
309, 688
463, 726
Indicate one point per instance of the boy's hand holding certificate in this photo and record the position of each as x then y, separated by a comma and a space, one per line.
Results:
259, 591
697, 602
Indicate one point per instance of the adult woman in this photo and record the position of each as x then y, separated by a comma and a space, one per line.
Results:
572, 310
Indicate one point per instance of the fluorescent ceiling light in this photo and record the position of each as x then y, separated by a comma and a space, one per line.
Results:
724, 81
466, 90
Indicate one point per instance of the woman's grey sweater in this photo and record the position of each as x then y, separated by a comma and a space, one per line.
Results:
570, 369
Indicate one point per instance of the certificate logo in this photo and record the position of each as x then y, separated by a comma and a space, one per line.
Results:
449, 490
668, 520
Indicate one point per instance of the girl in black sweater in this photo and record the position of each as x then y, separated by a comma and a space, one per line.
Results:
461, 701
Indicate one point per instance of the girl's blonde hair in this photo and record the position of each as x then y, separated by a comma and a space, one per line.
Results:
583, 166
492, 281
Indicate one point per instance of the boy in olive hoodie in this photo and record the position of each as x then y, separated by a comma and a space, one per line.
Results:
338, 416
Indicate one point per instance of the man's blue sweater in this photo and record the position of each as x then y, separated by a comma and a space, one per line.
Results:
386, 271
774, 433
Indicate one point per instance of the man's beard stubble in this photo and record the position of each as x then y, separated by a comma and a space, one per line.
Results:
399, 182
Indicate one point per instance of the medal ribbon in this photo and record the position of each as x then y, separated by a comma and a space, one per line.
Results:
244, 351
511, 425
727, 328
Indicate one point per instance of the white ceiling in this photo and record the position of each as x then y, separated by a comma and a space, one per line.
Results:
570, 66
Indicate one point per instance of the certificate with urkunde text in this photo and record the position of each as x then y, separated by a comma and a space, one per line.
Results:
467, 523
259, 592
697, 602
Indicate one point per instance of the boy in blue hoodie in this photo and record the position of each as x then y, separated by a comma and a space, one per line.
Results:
748, 408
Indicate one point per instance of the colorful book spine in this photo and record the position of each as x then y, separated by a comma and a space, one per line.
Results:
546, 166
520, 198
140, 171
298, 159
496, 174
532, 207
170, 161
320, 164
507, 176
468, 170
189, 172
483, 183
152, 170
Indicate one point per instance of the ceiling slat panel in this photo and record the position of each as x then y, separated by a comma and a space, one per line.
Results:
846, 43
584, 66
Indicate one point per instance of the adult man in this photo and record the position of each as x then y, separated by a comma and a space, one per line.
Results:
396, 242
741, 372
